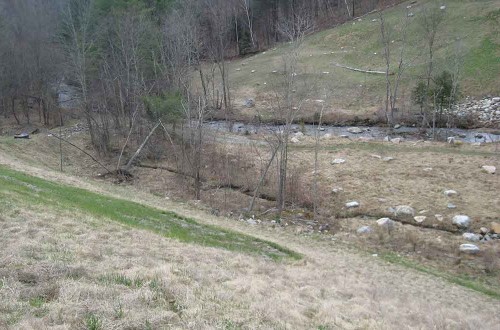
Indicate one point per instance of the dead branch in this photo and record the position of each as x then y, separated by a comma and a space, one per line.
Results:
86, 153
361, 70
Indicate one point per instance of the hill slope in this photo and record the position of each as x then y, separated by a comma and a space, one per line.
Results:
469, 34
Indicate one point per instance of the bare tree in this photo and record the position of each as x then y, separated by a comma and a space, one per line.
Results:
392, 86
431, 18
287, 102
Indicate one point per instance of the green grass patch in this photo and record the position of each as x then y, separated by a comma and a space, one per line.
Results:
462, 280
23, 190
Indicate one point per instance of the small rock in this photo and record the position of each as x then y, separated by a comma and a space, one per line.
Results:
396, 140
469, 248
420, 218
484, 230
489, 169
471, 237
450, 192
388, 159
461, 221
294, 140
404, 210
451, 206
495, 228
337, 190
387, 139
338, 161
251, 222
364, 230
439, 217
385, 222
397, 126
327, 136
428, 169
355, 130
324, 227
249, 103
352, 204
376, 156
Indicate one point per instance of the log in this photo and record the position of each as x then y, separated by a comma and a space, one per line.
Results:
361, 70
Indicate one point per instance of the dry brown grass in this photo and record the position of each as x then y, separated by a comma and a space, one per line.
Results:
72, 262
64, 262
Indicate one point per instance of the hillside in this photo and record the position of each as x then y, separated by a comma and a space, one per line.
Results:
69, 264
469, 34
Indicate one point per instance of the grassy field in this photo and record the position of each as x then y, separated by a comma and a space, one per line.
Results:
468, 35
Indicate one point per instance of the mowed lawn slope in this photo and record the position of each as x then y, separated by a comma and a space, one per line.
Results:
469, 36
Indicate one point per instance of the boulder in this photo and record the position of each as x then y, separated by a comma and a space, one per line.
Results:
450, 192
471, 237
461, 221
364, 230
404, 210
469, 248
351, 205
489, 169
420, 218
385, 222
495, 228
355, 130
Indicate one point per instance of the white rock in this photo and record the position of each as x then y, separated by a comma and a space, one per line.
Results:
469, 248
327, 136
338, 161
355, 130
294, 140
420, 218
364, 230
397, 126
387, 159
352, 204
439, 217
471, 237
253, 71
489, 169
251, 222
442, 7
385, 222
461, 221
450, 192
336, 190
404, 210
396, 140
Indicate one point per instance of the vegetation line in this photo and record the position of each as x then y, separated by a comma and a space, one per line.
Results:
21, 190
467, 282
